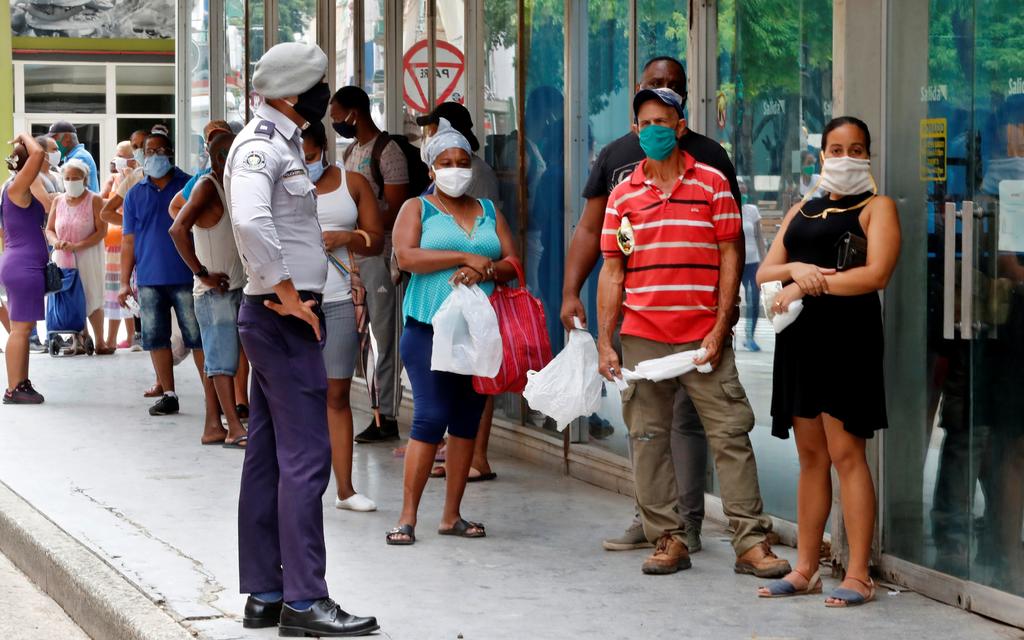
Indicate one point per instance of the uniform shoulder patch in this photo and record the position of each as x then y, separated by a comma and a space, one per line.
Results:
266, 128
255, 160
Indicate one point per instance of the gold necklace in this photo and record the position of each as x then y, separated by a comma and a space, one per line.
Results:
469, 234
824, 214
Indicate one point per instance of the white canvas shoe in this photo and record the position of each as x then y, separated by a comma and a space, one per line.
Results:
357, 502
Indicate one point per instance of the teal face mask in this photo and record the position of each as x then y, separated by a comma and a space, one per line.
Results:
657, 141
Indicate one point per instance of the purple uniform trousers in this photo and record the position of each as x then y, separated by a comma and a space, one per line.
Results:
287, 458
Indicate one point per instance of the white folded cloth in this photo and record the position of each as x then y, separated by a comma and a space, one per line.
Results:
664, 368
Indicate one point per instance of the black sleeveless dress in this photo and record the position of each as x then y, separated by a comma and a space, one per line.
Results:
830, 359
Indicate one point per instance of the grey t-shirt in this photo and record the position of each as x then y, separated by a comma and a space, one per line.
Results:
393, 167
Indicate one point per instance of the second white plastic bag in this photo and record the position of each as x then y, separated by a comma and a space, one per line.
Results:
569, 386
466, 337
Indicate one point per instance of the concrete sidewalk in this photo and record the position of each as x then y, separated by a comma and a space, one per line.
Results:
146, 497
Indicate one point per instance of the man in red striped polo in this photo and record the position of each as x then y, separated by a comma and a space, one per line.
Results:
673, 248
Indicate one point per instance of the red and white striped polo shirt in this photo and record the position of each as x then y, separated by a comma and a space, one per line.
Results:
672, 275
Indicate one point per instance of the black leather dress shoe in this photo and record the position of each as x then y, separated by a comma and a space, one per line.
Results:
324, 619
260, 614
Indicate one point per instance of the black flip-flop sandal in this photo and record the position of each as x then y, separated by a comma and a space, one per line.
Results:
461, 529
483, 477
236, 443
401, 530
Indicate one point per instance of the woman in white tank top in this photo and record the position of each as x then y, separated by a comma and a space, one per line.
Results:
351, 223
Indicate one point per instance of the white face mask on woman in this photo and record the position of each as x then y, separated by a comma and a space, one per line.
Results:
75, 188
453, 181
846, 176
54, 158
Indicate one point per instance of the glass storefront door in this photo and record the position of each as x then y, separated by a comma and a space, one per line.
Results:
954, 456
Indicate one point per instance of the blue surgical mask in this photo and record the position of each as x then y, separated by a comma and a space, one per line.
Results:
316, 169
139, 156
156, 166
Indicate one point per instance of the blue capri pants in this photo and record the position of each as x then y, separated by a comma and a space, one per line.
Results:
441, 400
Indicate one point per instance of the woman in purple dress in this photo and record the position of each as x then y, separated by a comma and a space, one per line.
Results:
23, 264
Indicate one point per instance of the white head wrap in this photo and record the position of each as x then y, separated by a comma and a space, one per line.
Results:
447, 137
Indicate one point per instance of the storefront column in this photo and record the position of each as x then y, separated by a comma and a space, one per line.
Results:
858, 89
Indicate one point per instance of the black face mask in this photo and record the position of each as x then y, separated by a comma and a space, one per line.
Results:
344, 129
312, 103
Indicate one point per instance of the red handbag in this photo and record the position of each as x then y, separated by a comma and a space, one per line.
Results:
524, 337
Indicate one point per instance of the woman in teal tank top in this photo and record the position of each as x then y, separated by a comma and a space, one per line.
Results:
443, 239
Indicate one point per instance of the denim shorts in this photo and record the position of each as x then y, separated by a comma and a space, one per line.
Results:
156, 304
217, 314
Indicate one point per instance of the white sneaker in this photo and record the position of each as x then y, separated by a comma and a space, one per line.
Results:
356, 503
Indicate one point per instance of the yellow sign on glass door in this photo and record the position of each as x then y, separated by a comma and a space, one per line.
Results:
933, 150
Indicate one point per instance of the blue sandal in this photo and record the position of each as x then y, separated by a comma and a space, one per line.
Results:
785, 588
851, 598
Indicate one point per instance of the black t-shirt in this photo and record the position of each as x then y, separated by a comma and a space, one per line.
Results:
617, 161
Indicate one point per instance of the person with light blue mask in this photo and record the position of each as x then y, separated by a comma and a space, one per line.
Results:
347, 209
164, 280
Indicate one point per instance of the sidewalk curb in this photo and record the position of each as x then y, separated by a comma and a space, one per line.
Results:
98, 598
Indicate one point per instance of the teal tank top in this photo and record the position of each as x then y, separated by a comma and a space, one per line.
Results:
439, 231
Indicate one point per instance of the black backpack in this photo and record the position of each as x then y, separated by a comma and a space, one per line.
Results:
419, 177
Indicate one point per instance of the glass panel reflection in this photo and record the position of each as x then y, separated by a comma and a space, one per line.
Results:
773, 99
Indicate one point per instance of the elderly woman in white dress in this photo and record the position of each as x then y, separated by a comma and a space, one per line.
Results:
76, 232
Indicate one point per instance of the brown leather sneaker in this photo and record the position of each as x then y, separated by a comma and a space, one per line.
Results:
670, 555
762, 562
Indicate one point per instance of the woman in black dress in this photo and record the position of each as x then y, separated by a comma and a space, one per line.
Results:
828, 364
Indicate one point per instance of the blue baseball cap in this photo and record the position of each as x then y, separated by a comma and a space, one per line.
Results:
663, 95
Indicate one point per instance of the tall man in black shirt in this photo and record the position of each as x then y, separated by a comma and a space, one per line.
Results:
616, 162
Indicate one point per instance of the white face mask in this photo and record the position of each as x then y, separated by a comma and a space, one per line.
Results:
120, 163
54, 158
453, 181
847, 176
74, 188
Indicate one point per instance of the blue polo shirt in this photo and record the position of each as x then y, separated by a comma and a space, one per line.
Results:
81, 153
157, 261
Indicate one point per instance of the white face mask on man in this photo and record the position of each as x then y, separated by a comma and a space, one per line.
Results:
75, 188
453, 181
846, 176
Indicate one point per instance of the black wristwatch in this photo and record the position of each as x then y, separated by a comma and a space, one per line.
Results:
203, 272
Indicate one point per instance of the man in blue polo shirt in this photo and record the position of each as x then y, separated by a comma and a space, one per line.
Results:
66, 136
164, 281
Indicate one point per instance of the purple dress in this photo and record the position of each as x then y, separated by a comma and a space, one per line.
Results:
23, 262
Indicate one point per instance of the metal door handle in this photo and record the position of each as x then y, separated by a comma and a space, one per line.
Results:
967, 272
949, 274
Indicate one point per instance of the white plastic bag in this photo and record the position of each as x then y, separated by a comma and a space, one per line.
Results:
664, 368
779, 319
570, 385
178, 349
466, 336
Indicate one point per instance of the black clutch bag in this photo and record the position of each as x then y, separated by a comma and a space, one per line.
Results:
852, 252
54, 278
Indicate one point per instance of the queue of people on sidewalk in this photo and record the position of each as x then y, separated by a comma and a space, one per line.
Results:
273, 255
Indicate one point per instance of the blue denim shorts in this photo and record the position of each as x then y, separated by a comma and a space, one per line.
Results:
156, 303
217, 314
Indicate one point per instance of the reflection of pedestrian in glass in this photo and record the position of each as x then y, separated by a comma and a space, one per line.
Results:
545, 126
809, 176
828, 382
755, 250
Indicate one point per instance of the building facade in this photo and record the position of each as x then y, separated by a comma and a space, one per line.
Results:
940, 82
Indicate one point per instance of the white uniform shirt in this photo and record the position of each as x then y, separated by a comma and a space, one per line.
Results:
273, 206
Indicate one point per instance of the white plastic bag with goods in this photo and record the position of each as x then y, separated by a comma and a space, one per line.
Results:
569, 386
466, 336
664, 368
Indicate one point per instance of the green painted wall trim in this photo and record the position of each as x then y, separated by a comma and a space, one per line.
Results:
31, 43
6, 80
